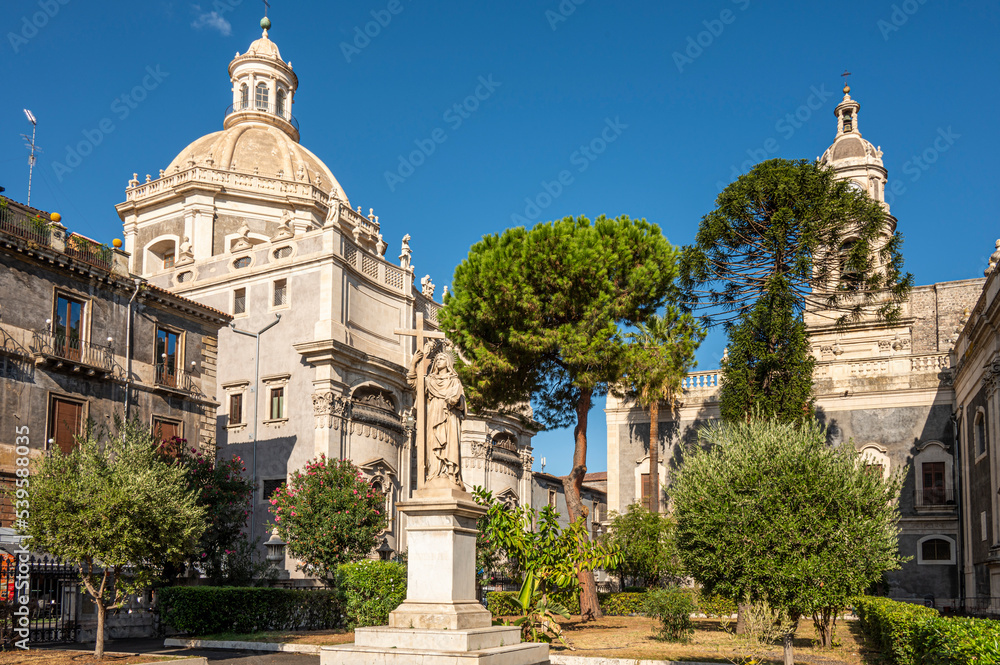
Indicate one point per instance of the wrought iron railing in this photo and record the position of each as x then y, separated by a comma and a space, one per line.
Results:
88, 251
53, 345
269, 109
935, 496
170, 376
17, 223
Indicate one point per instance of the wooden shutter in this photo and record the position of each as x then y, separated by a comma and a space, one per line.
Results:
64, 424
646, 493
165, 430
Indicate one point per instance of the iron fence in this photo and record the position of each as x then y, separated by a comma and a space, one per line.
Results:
67, 347
53, 601
16, 223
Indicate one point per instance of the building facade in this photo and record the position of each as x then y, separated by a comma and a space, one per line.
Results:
84, 342
248, 221
888, 390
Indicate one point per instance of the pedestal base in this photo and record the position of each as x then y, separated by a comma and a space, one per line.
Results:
496, 645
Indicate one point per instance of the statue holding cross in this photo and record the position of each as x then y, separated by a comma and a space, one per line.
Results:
440, 407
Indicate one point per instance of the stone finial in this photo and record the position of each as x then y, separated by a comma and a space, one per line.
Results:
994, 260
381, 245
134, 182
427, 287
356, 232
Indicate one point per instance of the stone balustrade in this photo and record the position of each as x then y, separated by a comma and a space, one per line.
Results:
376, 268
137, 191
699, 381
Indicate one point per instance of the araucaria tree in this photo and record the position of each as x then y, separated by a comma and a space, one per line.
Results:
786, 238
118, 510
538, 314
661, 354
329, 515
766, 511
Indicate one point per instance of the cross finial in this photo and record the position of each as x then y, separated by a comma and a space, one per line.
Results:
267, 5
847, 88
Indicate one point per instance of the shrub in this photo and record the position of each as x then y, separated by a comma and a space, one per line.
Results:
672, 607
956, 641
891, 625
207, 610
504, 603
715, 605
371, 589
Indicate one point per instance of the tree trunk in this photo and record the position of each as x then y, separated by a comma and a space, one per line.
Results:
741, 618
825, 620
590, 608
99, 638
654, 457
789, 649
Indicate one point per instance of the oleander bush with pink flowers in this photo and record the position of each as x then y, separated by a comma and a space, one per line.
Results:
329, 515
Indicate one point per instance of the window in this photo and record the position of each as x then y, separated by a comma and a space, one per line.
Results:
935, 549
7, 498
552, 498
281, 103
876, 470
168, 259
280, 298
240, 301
242, 262
236, 409
244, 96
165, 430
934, 493
647, 494
269, 487
65, 423
277, 403
848, 122
980, 433
67, 331
260, 96
168, 348
282, 252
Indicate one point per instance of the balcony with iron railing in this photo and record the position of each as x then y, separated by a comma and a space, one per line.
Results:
174, 379
18, 223
268, 113
71, 353
935, 498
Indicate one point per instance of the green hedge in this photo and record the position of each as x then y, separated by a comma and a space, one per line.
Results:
371, 589
207, 610
909, 634
504, 603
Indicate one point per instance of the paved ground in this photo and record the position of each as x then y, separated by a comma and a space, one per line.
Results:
216, 656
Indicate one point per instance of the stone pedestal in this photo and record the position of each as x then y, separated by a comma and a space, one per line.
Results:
440, 622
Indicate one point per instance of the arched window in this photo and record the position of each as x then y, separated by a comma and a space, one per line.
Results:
980, 432
281, 103
260, 98
939, 550
244, 96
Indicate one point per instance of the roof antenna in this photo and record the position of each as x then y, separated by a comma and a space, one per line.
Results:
31, 146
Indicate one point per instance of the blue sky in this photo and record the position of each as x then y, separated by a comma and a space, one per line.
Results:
691, 93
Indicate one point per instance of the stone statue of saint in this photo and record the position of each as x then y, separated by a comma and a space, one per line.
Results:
445, 411
405, 254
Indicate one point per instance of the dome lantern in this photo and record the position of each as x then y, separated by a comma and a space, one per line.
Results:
263, 87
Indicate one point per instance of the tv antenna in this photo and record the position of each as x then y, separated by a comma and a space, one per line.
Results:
30, 144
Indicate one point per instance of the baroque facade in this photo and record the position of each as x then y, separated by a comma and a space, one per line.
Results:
887, 390
248, 221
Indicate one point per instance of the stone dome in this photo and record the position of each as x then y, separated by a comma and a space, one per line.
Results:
851, 146
247, 146
264, 48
